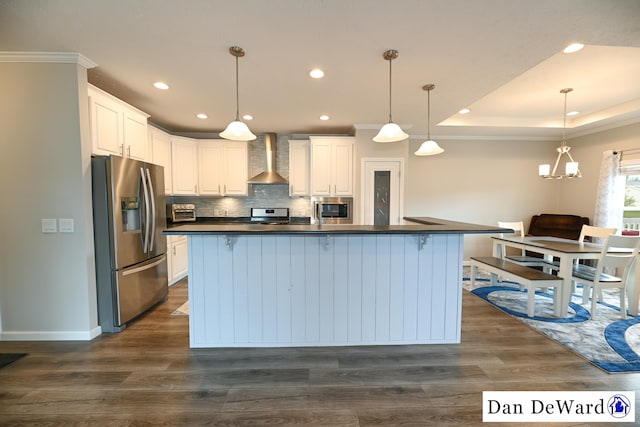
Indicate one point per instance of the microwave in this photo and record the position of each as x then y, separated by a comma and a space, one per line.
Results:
332, 210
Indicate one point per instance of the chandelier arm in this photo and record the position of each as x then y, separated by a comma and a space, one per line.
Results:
555, 166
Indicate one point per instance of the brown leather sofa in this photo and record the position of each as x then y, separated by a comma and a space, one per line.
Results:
557, 225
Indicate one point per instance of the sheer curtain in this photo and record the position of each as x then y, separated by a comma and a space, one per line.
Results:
610, 195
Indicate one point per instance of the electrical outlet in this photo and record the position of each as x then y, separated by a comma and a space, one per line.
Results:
49, 225
65, 225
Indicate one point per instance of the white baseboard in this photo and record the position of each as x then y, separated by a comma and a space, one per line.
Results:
50, 335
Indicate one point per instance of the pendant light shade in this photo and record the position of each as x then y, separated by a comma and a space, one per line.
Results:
390, 132
571, 167
237, 130
429, 147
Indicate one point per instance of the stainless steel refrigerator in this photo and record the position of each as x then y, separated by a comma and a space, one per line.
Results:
129, 211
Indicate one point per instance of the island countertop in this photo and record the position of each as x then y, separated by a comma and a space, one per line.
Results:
422, 225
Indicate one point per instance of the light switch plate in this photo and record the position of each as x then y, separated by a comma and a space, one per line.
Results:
66, 225
49, 225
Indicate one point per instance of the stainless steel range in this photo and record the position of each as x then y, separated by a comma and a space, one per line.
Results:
269, 216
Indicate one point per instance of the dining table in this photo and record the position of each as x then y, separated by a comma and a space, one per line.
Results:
567, 251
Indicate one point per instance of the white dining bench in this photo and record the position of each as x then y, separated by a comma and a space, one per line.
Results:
528, 277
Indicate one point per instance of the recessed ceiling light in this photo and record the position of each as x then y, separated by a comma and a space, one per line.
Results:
573, 48
247, 117
202, 116
324, 117
161, 85
464, 111
316, 73
573, 113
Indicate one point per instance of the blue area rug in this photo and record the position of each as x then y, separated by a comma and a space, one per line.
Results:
608, 342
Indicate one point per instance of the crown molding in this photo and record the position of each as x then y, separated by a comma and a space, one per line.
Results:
51, 57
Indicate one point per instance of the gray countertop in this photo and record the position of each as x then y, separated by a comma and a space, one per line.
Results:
421, 225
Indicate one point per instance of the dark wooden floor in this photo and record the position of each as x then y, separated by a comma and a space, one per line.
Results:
147, 375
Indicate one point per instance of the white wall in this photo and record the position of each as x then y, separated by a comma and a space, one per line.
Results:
47, 281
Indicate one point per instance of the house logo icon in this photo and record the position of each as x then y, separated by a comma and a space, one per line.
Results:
618, 406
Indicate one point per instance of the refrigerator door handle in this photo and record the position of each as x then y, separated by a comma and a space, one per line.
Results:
145, 244
153, 211
135, 270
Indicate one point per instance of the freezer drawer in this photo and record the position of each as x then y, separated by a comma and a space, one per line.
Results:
139, 287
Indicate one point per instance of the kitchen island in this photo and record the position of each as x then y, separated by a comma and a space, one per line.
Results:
322, 285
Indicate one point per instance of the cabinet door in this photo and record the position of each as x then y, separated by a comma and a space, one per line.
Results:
321, 168
235, 168
135, 135
210, 168
184, 166
180, 258
343, 169
299, 168
160, 146
106, 124
177, 258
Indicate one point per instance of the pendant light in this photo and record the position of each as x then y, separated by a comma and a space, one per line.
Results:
429, 147
237, 130
571, 167
390, 132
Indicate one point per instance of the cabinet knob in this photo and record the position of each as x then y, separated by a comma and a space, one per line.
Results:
122, 150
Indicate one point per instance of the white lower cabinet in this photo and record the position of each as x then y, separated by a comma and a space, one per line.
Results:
177, 258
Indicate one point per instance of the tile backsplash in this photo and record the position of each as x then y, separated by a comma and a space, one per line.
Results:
260, 195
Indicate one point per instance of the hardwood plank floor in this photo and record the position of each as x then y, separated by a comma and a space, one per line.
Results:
148, 375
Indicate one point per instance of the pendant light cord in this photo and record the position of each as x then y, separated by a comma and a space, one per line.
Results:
390, 60
429, 115
237, 94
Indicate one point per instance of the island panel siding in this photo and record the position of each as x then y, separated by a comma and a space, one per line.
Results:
317, 290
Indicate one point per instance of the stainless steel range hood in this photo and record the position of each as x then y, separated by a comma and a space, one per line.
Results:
269, 176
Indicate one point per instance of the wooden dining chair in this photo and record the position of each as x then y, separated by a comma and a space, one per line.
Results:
618, 252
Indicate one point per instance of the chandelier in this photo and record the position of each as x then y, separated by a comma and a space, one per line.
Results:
571, 167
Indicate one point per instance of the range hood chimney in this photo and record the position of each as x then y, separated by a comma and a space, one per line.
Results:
269, 176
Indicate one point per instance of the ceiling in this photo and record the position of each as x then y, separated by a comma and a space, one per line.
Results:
501, 58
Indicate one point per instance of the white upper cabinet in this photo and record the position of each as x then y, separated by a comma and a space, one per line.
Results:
184, 166
210, 168
235, 168
160, 154
116, 127
298, 168
331, 166
222, 168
